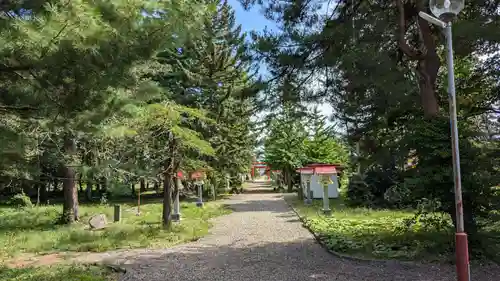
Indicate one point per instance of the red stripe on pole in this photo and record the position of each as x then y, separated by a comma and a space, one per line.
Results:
462, 256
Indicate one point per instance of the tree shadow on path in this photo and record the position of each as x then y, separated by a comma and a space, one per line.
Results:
285, 261
259, 205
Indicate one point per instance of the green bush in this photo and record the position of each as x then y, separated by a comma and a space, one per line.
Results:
117, 190
236, 181
359, 193
20, 200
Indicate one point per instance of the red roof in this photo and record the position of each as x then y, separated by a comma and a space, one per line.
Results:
305, 170
338, 167
322, 170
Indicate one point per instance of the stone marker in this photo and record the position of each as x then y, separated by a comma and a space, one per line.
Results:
117, 215
98, 221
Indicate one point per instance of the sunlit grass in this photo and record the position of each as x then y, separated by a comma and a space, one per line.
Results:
373, 233
34, 230
58, 273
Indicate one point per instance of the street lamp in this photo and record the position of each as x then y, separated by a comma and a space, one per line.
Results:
445, 11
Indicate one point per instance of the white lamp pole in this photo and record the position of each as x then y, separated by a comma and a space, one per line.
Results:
445, 11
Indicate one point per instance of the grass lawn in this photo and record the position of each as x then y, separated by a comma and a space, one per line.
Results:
33, 230
374, 233
58, 273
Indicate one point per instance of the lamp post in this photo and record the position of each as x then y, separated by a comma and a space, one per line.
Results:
445, 11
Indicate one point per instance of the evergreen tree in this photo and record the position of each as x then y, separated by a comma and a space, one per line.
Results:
212, 72
284, 145
378, 64
63, 64
322, 145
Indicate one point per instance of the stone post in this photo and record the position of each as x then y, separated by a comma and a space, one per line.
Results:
176, 215
326, 201
117, 213
199, 203
309, 193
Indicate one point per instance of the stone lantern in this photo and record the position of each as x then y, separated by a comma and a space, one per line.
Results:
198, 178
325, 174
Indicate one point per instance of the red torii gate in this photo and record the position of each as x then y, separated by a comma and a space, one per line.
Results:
258, 165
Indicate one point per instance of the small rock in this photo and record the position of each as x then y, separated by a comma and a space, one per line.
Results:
98, 221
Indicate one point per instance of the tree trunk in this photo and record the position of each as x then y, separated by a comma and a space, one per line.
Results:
157, 185
470, 224
55, 185
132, 188
80, 183
301, 190
167, 199
428, 62
143, 185
42, 188
43, 192
176, 189
104, 185
289, 182
88, 191
70, 206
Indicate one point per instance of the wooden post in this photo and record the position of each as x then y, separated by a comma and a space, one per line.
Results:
118, 213
139, 203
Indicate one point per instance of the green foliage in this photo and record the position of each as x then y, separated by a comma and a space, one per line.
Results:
391, 100
284, 145
359, 193
117, 190
20, 200
33, 230
58, 273
378, 233
96, 93
322, 145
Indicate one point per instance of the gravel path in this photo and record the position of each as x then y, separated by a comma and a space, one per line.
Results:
264, 240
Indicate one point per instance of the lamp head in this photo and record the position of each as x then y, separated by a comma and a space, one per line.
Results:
446, 10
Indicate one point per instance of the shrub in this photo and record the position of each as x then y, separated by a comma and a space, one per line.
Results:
20, 200
236, 181
359, 193
117, 190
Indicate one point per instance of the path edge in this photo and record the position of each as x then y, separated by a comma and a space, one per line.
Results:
318, 239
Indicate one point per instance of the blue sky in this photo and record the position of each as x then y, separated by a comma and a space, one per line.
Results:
254, 20
250, 20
